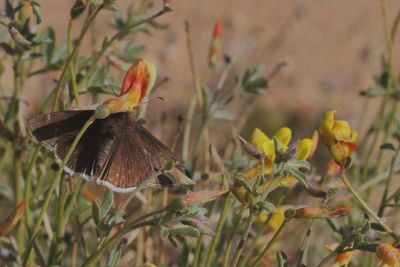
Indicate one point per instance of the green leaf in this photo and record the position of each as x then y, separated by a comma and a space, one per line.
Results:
114, 257
7, 48
59, 53
281, 259
253, 82
37, 11
79, 209
164, 232
267, 206
224, 115
298, 164
97, 78
241, 179
373, 92
388, 146
167, 217
77, 10
366, 226
108, 201
116, 219
332, 192
173, 241
300, 176
185, 230
96, 211
48, 48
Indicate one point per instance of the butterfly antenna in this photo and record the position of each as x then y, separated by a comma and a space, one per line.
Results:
151, 99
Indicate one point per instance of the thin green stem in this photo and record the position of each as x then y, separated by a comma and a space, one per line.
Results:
28, 187
304, 245
72, 73
53, 185
388, 182
92, 260
265, 249
55, 249
365, 206
63, 76
243, 240
230, 239
187, 129
218, 233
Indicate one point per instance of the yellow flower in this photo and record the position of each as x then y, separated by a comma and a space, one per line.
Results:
277, 219
338, 136
267, 147
304, 148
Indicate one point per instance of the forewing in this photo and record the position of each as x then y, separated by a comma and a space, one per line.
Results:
48, 128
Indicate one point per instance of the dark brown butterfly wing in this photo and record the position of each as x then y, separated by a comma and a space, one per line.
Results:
117, 151
137, 154
47, 128
58, 130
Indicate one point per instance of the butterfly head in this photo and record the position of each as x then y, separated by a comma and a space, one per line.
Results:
138, 82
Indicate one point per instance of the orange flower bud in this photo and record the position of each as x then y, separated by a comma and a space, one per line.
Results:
322, 211
9, 223
388, 255
215, 48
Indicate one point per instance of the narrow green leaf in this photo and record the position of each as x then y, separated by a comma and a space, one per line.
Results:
173, 241
241, 179
96, 211
300, 176
298, 164
267, 206
164, 232
108, 201
388, 146
185, 230
281, 259
332, 192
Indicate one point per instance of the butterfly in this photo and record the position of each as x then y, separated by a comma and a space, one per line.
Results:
115, 150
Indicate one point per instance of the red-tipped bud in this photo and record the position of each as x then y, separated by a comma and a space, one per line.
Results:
214, 55
322, 211
12, 220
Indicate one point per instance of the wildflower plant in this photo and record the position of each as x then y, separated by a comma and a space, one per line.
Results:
257, 200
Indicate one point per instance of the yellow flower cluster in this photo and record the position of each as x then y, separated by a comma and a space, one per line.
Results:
266, 146
338, 136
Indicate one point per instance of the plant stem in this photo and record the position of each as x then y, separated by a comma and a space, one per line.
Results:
242, 241
230, 239
365, 206
53, 187
92, 260
274, 237
71, 56
217, 237
388, 182
304, 244
72, 74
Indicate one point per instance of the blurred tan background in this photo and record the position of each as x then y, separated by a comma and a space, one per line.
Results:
333, 49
